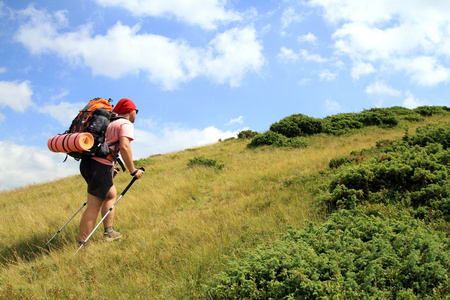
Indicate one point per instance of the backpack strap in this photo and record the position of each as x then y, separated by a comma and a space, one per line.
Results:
78, 122
114, 153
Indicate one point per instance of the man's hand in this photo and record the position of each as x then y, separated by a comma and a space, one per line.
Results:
116, 171
138, 173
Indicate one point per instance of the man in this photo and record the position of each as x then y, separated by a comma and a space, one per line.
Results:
99, 173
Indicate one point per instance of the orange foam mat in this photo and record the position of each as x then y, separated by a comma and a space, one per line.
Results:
71, 142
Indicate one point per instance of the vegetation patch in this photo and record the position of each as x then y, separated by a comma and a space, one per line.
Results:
361, 252
352, 256
412, 173
428, 111
247, 134
299, 125
273, 138
203, 161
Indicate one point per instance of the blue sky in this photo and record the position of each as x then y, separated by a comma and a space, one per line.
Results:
203, 70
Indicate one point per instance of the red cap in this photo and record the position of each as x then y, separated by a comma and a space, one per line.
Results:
124, 106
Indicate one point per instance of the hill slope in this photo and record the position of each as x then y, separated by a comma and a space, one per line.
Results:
181, 223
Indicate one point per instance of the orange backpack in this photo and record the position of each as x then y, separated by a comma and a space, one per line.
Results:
94, 118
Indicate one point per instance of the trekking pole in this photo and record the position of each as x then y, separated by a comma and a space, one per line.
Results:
84, 204
109, 210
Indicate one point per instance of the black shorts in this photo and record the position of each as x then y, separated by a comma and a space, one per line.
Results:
99, 177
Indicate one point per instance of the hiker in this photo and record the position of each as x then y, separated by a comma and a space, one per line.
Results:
99, 173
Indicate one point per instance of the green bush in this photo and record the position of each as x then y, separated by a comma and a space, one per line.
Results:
357, 254
247, 134
269, 138
413, 174
341, 123
379, 117
428, 111
352, 256
301, 125
401, 111
339, 161
297, 125
202, 161
429, 134
278, 140
417, 179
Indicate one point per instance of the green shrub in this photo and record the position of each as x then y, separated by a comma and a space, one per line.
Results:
278, 140
379, 117
428, 111
202, 161
401, 111
406, 114
339, 161
302, 125
416, 178
341, 123
269, 138
352, 256
297, 125
429, 134
247, 134
414, 118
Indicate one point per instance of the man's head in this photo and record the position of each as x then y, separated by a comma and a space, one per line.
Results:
125, 107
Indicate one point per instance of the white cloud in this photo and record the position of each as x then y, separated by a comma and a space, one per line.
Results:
289, 16
312, 57
64, 112
63, 94
309, 38
173, 138
380, 88
327, 75
2, 70
232, 54
2, 5
411, 101
403, 36
361, 68
205, 13
23, 165
123, 51
288, 55
238, 120
333, 106
16, 95
424, 70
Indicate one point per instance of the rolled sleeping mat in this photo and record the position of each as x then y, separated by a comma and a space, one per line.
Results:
71, 142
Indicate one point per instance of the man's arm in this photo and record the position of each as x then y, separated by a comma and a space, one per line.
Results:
127, 156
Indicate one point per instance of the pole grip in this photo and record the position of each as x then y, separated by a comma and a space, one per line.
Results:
132, 181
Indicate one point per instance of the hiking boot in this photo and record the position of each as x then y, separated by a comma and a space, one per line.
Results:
111, 236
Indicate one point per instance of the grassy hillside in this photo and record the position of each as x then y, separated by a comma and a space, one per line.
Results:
181, 223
